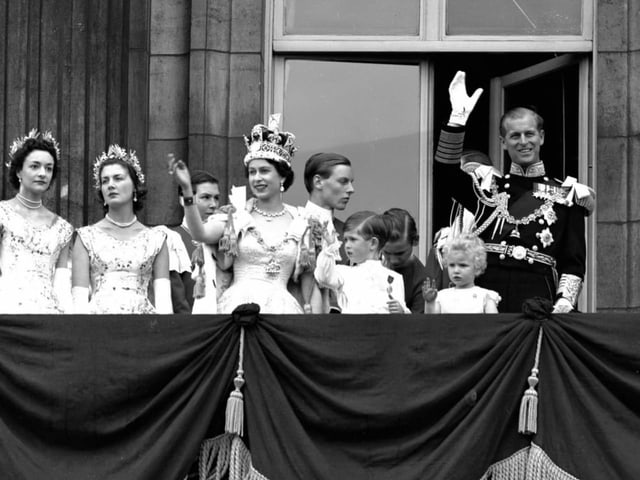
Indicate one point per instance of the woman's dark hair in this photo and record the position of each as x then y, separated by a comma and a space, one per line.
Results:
282, 168
370, 224
16, 161
139, 189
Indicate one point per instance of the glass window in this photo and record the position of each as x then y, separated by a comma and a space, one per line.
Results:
368, 112
514, 17
353, 17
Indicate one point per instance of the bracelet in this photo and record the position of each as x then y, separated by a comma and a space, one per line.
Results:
187, 201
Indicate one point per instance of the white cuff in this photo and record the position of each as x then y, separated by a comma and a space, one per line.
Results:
162, 295
62, 289
80, 297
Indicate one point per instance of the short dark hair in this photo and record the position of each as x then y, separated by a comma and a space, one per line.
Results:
520, 112
322, 164
138, 187
282, 168
402, 225
16, 161
370, 224
199, 177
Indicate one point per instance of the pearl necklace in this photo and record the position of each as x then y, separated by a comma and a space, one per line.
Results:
120, 224
30, 204
269, 216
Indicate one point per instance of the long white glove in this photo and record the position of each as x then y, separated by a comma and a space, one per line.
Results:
62, 289
461, 103
80, 297
162, 295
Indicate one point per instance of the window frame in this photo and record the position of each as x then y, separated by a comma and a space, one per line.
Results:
431, 38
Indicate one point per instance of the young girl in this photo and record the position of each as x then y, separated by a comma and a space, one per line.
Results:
466, 258
366, 286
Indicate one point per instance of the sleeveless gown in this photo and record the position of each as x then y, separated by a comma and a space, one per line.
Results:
121, 270
28, 257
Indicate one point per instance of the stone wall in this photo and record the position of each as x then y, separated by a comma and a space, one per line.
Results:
618, 155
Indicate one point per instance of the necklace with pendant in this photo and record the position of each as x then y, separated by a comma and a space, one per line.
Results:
272, 268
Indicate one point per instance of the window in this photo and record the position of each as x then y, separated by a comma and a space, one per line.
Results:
368, 79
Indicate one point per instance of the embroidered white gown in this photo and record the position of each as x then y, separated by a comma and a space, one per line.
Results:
262, 269
28, 257
121, 270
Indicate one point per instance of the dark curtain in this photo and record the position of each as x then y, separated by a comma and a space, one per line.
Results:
326, 397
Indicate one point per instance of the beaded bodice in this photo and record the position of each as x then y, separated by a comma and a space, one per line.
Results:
121, 270
28, 256
259, 260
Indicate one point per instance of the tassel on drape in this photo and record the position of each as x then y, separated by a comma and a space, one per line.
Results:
528, 420
227, 453
234, 415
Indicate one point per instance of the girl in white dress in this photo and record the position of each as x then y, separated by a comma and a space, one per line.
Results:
115, 259
466, 258
366, 286
34, 242
262, 238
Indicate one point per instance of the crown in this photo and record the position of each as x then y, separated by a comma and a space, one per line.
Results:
34, 134
116, 152
270, 143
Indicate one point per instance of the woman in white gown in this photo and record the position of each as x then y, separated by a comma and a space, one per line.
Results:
34, 248
268, 232
115, 259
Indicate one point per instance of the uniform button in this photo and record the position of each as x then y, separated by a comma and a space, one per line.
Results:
502, 257
506, 185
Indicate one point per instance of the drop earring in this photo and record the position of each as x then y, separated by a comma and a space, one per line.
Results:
135, 197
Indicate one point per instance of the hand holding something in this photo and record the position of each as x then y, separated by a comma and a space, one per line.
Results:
461, 103
179, 170
394, 306
429, 290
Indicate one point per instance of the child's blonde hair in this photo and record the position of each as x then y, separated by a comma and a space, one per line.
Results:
471, 245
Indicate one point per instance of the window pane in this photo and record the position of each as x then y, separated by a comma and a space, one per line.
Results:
353, 17
369, 113
514, 17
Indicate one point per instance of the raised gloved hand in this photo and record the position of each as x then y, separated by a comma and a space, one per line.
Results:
461, 103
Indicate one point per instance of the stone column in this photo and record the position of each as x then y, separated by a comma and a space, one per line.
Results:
618, 155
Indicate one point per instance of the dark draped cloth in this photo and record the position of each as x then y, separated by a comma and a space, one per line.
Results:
326, 397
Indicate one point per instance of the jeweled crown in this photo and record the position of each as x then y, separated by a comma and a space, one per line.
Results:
116, 152
33, 134
269, 142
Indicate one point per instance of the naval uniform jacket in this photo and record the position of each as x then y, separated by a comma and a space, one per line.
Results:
540, 227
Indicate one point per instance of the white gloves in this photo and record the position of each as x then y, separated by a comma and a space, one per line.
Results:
80, 297
461, 104
162, 295
62, 289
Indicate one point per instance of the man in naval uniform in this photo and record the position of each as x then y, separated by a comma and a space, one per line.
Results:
533, 226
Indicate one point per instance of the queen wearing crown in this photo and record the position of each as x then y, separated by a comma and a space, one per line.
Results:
263, 236
34, 242
116, 259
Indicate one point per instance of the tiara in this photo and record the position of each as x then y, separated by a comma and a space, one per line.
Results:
34, 134
116, 152
269, 142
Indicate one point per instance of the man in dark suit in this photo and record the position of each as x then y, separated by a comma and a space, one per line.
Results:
206, 197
